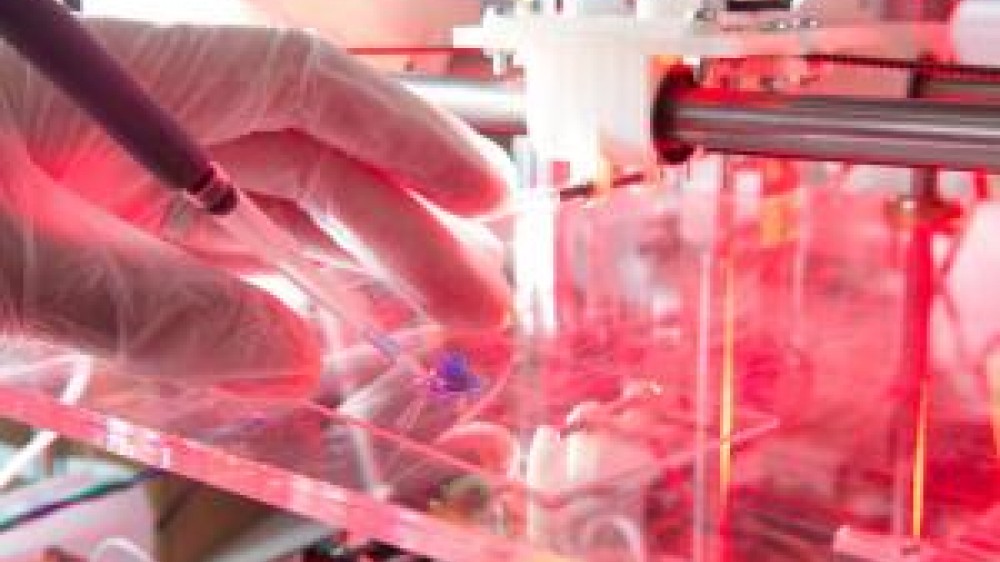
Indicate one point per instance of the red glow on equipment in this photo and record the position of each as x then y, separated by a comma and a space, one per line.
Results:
919, 465
727, 398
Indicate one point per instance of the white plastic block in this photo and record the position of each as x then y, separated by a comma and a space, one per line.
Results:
974, 27
586, 99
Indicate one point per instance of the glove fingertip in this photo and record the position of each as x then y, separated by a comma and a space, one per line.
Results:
476, 181
475, 300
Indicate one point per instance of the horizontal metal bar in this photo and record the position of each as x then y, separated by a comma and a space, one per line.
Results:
896, 132
915, 133
492, 108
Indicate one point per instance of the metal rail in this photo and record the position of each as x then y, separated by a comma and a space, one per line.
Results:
914, 133
897, 132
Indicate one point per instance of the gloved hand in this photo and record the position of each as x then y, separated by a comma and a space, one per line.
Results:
89, 242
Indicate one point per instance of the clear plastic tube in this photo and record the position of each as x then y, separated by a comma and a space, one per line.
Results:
249, 225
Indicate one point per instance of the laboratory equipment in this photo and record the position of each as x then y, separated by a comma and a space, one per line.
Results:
746, 339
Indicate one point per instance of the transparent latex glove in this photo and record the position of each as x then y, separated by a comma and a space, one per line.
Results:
91, 244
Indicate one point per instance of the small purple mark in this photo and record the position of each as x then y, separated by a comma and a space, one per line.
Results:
454, 376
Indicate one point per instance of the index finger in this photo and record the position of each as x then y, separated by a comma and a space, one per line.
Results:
226, 82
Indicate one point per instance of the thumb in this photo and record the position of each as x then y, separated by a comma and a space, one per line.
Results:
72, 274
